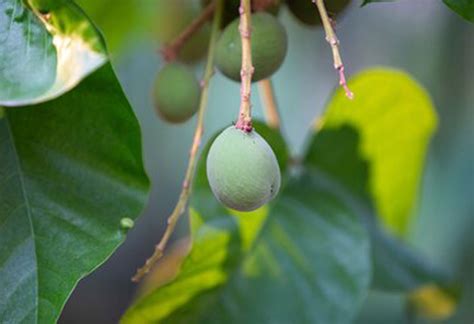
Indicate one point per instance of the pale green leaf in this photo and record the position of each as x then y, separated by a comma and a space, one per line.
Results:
389, 125
45, 52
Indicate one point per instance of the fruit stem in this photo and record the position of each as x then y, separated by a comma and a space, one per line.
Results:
267, 97
171, 51
244, 121
333, 41
190, 171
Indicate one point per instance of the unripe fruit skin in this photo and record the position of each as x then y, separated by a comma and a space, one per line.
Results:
269, 47
307, 13
242, 170
176, 93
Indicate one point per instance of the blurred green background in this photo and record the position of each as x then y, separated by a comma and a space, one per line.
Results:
422, 37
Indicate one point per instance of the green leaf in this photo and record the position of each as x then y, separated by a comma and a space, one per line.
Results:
377, 130
386, 128
46, 51
70, 172
399, 269
303, 259
465, 8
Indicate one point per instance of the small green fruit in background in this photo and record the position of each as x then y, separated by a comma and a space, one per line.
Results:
176, 93
231, 9
171, 18
269, 46
307, 12
242, 170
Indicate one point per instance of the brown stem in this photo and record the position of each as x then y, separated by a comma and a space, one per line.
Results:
267, 97
190, 171
331, 38
171, 51
244, 121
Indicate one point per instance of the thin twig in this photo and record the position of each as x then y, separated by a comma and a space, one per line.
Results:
331, 38
267, 97
186, 190
244, 121
171, 51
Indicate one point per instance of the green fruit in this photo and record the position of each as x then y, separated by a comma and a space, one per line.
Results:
171, 18
242, 170
177, 93
231, 9
307, 12
269, 46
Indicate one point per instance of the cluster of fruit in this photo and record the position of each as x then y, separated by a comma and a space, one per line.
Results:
242, 169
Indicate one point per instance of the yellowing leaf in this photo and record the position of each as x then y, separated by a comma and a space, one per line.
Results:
393, 119
432, 302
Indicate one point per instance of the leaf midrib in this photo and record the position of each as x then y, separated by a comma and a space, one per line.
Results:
28, 209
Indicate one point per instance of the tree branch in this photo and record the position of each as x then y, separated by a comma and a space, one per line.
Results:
171, 51
267, 97
186, 190
244, 121
331, 38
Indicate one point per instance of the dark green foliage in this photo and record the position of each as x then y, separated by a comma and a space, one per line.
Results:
71, 170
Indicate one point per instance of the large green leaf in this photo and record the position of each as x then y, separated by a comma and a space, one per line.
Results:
383, 128
303, 259
392, 119
70, 170
46, 50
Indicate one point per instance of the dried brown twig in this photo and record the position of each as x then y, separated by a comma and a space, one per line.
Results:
190, 171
